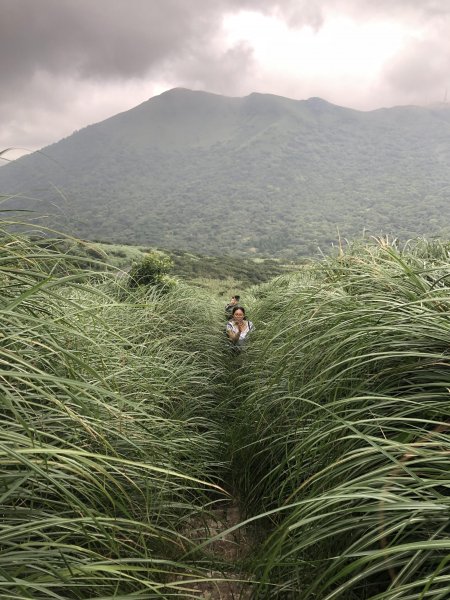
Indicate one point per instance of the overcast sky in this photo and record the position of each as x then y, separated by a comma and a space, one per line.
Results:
65, 64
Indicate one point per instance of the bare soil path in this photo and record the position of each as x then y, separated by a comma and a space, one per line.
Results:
231, 549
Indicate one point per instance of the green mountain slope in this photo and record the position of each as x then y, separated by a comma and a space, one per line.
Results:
256, 175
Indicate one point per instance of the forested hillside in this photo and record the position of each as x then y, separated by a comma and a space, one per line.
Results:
261, 175
142, 458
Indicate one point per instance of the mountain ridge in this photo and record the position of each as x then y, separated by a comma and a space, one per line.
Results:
262, 174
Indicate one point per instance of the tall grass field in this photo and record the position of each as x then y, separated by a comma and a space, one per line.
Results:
127, 426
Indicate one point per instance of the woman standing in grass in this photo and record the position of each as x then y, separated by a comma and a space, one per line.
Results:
238, 327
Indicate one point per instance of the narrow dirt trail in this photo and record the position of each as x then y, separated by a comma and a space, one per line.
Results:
231, 549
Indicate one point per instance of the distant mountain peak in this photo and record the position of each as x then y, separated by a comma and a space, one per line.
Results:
317, 100
182, 91
176, 90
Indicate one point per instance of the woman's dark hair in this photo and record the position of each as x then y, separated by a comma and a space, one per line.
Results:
237, 298
237, 307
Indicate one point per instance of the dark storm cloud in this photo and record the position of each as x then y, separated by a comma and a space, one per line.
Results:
104, 38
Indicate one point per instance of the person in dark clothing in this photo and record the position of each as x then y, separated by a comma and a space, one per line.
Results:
231, 304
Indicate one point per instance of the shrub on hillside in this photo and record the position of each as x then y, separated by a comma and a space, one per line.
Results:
151, 270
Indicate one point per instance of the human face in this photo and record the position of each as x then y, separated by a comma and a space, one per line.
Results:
238, 315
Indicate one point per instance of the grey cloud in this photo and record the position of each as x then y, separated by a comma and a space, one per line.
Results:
421, 71
105, 38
